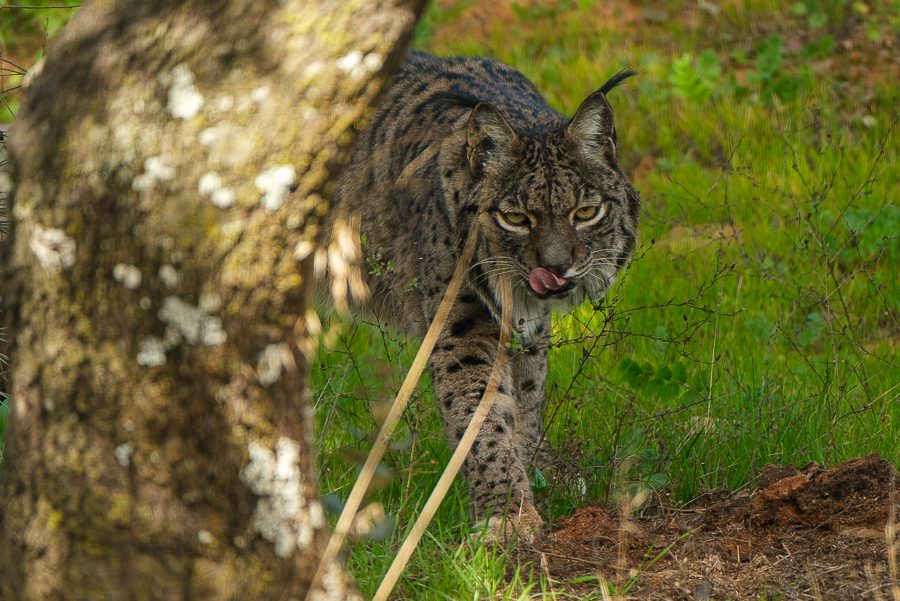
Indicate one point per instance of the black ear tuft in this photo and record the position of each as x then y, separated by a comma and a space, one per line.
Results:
618, 79
488, 138
592, 127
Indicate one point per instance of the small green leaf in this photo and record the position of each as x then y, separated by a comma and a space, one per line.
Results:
679, 373
649, 454
663, 374
538, 482
669, 391
653, 387
769, 56
632, 373
817, 19
740, 57
632, 438
8, 111
861, 8
657, 481
708, 66
685, 80
818, 50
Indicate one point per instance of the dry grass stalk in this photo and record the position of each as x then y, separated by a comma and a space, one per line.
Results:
381, 442
465, 444
384, 434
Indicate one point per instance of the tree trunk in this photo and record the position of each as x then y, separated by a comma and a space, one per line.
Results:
167, 163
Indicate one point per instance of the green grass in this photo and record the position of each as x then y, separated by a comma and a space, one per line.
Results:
760, 319
23, 36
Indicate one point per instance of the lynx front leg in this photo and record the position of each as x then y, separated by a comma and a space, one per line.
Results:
528, 367
496, 475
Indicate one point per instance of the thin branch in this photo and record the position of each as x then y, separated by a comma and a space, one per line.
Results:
40, 7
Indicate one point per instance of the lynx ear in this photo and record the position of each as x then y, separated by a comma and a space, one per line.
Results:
592, 127
488, 138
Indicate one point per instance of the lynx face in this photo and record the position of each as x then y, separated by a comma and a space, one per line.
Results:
563, 217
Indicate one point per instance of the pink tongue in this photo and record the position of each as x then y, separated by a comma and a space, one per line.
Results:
542, 281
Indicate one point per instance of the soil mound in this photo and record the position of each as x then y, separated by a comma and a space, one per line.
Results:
854, 494
805, 533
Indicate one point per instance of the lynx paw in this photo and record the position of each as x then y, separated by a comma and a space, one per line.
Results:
510, 529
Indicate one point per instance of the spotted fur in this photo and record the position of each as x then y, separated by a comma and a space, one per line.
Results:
558, 204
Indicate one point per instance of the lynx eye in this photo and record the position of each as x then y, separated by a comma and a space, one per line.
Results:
585, 213
514, 218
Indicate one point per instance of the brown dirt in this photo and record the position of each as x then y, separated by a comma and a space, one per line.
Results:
807, 533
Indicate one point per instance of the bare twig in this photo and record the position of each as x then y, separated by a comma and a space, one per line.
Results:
38, 7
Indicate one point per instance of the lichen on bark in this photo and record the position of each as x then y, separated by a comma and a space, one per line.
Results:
166, 165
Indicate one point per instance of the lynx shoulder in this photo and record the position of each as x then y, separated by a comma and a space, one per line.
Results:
562, 223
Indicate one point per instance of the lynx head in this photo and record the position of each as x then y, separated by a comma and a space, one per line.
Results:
562, 217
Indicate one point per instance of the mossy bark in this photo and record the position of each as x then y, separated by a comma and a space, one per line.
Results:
166, 164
